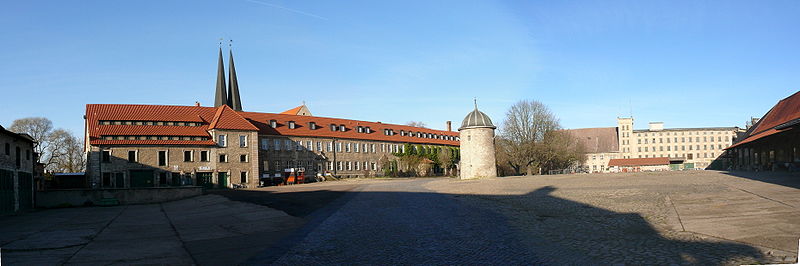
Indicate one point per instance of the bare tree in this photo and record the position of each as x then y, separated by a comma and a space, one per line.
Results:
58, 149
416, 124
530, 140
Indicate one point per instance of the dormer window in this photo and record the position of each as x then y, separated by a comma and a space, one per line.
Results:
291, 125
402, 133
312, 125
360, 129
333, 127
342, 128
367, 130
273, 123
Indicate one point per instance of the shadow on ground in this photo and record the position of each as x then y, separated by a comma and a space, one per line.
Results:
551, 231
785, 179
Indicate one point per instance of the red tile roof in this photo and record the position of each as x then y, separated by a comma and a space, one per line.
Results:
639, 161
785, 111
226, 118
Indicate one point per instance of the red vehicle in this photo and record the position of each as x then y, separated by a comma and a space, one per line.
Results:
294, 176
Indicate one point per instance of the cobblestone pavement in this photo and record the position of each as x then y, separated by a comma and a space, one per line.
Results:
690, 217
401, 223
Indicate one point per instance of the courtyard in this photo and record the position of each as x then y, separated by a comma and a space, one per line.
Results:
682, 217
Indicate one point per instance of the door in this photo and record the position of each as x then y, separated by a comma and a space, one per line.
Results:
222, 179
6, 191
204, 180
142, 178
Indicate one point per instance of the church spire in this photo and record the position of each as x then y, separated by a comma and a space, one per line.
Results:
221, 96
233, 85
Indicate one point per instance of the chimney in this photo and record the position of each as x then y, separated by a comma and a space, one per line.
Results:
448, 126
197, 104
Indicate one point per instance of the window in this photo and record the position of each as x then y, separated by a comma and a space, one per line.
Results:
106, 155
329, 147
223, 158
277, 145
106, 180
187, 156
243, 158
312, 125
339, 165
131, 156
319, 145
372, 147
28, 155
374, 166
383, 147
204, 156
243, 177
162, 158
265, 144
310, 145
367, 130
358, 166
288, 144
242, 141
347, 147
349, 166
291, 125
333, 127
342, 128
338, 147
221, 141
355, 147
360, 129
273, 123
8, 149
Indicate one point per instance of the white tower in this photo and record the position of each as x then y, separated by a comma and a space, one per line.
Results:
477, 146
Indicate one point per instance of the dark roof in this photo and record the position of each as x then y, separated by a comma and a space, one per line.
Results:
22, 136
784, 116
639, 161
597, 140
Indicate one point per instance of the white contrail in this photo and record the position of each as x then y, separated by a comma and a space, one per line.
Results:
287, 9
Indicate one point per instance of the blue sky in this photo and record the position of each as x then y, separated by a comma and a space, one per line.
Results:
685, 63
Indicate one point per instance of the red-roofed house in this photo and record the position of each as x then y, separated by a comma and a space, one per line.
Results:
773, 143
639, 164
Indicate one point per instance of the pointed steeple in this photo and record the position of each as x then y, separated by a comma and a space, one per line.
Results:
221, 97
233, 84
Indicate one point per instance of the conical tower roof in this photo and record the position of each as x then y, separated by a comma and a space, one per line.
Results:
233, 86
221, 97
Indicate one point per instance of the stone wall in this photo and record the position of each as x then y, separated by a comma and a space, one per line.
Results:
477, 153
88, 197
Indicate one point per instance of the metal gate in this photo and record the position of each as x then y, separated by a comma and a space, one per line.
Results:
6, 191
204, 180
25, 190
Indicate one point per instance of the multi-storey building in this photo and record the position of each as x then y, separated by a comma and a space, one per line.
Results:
685, 147
158, 145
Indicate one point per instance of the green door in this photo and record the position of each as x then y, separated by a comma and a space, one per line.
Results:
688, 166
222, 179
142, 178
204, 180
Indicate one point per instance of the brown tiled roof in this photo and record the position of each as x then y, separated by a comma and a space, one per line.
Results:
639, 161
778, 119
597, 140
225, 118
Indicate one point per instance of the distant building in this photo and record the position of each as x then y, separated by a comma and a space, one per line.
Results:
17, 161
772, 142
685, 147
639, 164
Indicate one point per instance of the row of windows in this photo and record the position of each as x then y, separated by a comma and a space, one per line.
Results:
150, 123
310, 145
18, 154
658, 134
118, 180
153, 138
222, 141
682, 147
163, 157
684, 139
353, 166
688, 156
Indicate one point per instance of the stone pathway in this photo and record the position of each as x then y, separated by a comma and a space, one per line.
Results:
206, 230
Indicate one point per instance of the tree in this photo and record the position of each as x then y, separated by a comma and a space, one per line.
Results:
59, 150
416, 124
530, 140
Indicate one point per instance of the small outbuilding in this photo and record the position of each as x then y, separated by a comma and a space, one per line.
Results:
639, 164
